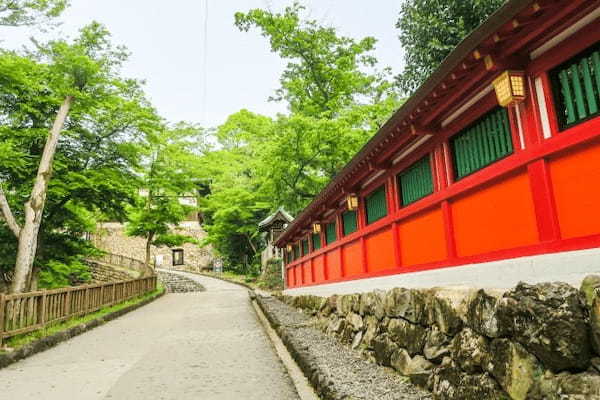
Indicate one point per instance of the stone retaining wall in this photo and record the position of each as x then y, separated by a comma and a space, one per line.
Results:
532, 342
102, 273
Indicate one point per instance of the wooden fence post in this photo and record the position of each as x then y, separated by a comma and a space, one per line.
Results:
86, 301
2, 322
68, 303
42, 310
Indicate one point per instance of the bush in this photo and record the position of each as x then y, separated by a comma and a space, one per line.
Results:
271, 279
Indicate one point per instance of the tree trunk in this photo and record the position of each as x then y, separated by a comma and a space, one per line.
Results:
148, 249
34, 208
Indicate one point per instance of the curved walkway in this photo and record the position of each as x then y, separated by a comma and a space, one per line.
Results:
206, 345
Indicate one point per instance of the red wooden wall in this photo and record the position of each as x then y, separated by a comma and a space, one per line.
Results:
543, 198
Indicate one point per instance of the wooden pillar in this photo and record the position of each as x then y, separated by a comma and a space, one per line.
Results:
363, 254
544, 202
396, 240
449, 230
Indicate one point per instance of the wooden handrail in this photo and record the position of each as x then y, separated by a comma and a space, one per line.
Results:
27, 312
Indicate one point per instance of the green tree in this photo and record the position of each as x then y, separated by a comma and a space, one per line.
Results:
169, 172
431, 29
102, 115
326, 72
29, 12
337, 99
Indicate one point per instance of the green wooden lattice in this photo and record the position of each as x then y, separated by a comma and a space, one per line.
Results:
330, 233
376, 205
316, 240
350, 222
487, 140
576, 86
305, 247
416, 182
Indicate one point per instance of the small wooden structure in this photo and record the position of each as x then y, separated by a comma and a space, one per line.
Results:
272, 227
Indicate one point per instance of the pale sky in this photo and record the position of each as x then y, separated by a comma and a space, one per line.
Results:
166, 40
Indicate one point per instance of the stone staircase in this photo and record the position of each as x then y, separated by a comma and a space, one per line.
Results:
175, 283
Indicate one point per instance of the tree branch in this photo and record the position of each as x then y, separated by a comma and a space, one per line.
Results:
8, 215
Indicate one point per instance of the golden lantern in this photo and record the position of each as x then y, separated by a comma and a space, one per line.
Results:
289, 248
317, 228
510, 88
352, 202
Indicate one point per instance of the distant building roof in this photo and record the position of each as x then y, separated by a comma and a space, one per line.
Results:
279, 215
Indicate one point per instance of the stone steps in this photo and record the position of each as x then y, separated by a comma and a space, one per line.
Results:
175, 283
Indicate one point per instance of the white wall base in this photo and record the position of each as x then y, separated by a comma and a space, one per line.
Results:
570, 267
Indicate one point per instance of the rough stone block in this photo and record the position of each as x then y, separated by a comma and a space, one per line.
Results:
588, 287
408, 304
384, 347
437, 345
550, 321
449, 382
401, 361
482, 313
470, 351
347, 303
565, 385
372, 303
513, 367
355, 321
447, 308
407, 335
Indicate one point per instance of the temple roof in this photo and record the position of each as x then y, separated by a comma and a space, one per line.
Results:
279, 215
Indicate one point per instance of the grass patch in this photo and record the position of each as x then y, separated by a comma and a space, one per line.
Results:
18, 341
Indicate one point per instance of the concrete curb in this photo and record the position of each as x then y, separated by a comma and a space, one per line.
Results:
302, 357
303, 387
48, 342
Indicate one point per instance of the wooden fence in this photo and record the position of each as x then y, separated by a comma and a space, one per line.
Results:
27, 312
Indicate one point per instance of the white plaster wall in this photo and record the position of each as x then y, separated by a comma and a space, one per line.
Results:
570, 267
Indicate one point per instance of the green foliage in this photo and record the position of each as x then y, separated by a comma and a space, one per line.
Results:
271, 278
337, 99
431, 29
57, 274
168, 172
325, 72
30, 12
101, 145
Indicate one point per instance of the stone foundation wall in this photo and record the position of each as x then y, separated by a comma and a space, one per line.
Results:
111, 238
102, 273
532, 342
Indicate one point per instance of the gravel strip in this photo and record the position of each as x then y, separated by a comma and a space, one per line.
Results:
336, 371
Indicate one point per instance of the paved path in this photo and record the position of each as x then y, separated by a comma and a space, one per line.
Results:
197, 346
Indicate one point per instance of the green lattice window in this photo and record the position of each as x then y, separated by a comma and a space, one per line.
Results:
416, 182
316, 241
376, 205
296, 251
330, 233
576, 86
305, 247
349, 218
487, 140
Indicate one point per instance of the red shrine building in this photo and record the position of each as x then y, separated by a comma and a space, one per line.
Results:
488, 175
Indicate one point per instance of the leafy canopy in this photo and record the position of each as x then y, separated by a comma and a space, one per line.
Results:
326, 72
30, 12
431, 29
